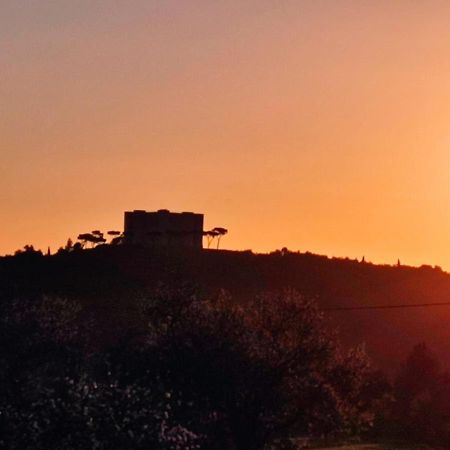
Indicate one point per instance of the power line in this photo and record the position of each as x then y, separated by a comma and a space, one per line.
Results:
365, 307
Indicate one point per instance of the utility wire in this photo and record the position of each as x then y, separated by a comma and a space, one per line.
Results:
406, 305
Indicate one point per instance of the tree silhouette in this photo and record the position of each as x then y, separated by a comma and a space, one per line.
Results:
116, 237
210, 235
215, 232
69, 245
273, 369
28, 250
114, 233
219, 233
99, 235
92, 238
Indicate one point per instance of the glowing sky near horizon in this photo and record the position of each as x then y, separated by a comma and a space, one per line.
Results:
315, 125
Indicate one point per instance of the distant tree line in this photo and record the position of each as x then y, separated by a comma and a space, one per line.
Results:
180, 369
97, 237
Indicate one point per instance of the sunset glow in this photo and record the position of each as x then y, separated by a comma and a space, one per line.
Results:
320, 126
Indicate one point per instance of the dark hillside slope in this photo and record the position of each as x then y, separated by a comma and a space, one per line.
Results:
106, 277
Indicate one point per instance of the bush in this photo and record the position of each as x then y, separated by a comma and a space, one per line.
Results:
262, 369
420, 410
54, 394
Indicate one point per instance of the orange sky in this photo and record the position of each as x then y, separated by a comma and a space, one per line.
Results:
315, 125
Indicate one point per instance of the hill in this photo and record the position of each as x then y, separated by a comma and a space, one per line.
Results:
106, 276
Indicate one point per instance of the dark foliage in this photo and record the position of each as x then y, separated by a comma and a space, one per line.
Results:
56, 393
198, 373
419, 409
108, 275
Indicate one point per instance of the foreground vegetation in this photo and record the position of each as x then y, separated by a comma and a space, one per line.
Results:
97, 360
204, 374
106, 274
379, 447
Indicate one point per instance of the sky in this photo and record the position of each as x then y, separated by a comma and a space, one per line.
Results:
319, 125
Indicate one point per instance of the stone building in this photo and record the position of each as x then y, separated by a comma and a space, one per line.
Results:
163, 228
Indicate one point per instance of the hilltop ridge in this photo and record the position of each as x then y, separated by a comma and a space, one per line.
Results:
107, 275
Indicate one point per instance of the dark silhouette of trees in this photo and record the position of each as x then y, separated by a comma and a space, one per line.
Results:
69, 245
99, 236
419, 374
94, 238
225, 338
55, 393
117, 237
210, 235
272, 369
216, 232
219, 233
28, 252
198, 373
420, 408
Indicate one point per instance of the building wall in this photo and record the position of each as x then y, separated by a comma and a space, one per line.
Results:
164, 228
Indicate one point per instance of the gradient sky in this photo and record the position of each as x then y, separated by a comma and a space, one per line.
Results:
316, 125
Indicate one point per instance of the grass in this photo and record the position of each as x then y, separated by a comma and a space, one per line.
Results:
380, 446
377, 447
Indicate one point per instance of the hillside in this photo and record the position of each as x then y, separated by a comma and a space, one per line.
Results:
106, 276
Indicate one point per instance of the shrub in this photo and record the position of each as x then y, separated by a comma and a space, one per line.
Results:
262, 369
420, 410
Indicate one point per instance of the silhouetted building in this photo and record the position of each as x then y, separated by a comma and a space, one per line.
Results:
164, 228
